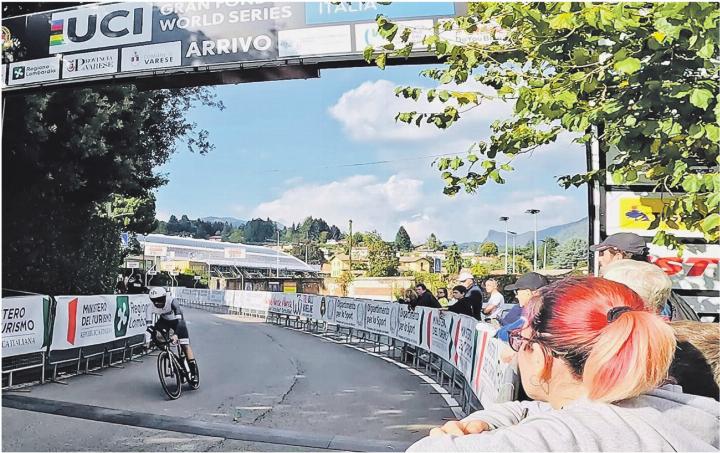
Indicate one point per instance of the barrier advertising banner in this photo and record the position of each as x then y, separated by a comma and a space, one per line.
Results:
25, 324
346, 312
377, 317
87, 320
409, 324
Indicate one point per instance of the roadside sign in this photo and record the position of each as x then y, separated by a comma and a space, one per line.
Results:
125, 239
197, 277
152, 272
132, 265
174, 273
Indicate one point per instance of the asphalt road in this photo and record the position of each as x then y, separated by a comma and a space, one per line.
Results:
252, 375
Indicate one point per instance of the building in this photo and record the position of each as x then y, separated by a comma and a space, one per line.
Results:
341, 263
416, 264
230, 265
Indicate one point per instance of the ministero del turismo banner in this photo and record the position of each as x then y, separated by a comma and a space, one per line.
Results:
109, 40
87, 320
460, 340
25, 324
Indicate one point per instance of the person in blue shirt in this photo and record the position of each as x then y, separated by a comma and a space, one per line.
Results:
525, 288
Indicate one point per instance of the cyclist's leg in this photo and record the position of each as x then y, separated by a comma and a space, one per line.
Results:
184, 339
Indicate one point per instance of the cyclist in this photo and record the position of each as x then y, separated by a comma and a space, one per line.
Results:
170, 316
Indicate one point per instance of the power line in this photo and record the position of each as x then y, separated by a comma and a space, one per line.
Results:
377, 162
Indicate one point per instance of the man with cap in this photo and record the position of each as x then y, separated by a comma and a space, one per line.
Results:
473, 294
620, 246
526, 287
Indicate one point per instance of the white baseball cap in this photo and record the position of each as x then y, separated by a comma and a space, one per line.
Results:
465, 275
157, 293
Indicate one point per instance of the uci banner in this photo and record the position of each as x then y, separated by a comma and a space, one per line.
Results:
89, 320
25, 324
107, 40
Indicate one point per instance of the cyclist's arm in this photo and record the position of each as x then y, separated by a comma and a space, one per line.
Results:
175, 308
508, 414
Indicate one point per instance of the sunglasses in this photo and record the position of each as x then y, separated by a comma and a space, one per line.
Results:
516, 341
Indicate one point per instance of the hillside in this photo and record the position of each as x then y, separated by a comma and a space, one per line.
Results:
561, 233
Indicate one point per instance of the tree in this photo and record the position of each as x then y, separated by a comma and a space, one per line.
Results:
237, 236
642, 72
571, 254
488, 249
453, 260
382, 258
433, 243
70, 154
547, 250
402, 240
314, 254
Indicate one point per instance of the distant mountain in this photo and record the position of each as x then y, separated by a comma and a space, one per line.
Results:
231, 220
561, 233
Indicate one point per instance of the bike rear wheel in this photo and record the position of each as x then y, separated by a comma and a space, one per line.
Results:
170, 378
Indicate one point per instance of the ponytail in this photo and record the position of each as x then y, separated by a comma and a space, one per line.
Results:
605, 334
631, 356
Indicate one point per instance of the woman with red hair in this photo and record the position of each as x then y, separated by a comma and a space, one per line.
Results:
592, 357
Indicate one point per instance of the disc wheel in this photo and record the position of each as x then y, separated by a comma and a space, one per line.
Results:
169, 376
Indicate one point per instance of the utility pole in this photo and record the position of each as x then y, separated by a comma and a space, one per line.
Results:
544, 252
307, 244
277, 256
505, 219
350, 248
534, 212
513, 259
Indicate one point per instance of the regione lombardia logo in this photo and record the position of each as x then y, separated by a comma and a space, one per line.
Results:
135, 58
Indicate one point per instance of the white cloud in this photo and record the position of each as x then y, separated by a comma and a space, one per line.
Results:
384, 205
367, 113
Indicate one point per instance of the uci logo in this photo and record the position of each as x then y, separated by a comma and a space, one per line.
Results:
100, 26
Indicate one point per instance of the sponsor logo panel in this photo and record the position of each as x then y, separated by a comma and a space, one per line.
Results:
90, 63
40, 70
367, 35
314, 41
333, 12
154, 56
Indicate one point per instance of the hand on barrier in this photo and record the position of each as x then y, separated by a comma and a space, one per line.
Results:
460, 428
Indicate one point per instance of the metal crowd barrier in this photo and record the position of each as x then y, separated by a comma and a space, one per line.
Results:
59, 365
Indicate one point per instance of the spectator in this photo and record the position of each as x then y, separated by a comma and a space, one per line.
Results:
425, 297
410, 298
495, 302
691, 368
463, 305
620, 246
120, 287
696, 366
526, 287
592, 358
474, 293
135, 285
648, 280
442, 297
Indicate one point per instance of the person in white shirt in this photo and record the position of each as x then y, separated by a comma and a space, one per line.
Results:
496, 301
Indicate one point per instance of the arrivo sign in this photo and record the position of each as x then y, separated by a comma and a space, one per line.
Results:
171, 36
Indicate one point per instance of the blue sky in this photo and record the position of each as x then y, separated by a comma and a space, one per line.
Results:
281, 147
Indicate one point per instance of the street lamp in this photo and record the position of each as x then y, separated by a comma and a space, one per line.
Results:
505, 219
513, 261
544, 242
534, 213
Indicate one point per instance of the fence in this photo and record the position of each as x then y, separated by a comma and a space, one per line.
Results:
48, 338
455, 348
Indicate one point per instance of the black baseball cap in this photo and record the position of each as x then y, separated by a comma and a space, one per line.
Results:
531, 280
627, 242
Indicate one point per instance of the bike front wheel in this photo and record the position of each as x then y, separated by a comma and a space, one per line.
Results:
170, 377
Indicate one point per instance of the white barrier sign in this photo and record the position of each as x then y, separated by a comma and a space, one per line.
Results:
346, 312
438, 339
377, 317
88, 320
408, 326
23, 324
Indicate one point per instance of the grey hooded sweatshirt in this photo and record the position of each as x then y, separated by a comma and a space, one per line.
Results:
663, 420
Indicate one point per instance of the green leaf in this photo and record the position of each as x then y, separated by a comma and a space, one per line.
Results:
711, 222
367, 53
380, 60
568, 98
712, 132
700, 98
562, 21
628, 65
707, 50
